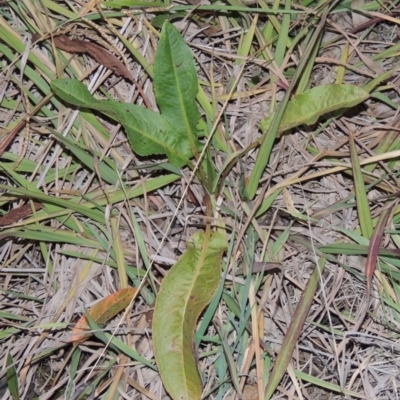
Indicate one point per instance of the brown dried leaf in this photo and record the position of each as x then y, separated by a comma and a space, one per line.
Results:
209, 29
18, 213
101, 55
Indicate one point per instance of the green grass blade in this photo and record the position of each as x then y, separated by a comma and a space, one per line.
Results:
12, 377
269, 139
364, 213
116, 343
280, 51
294, 330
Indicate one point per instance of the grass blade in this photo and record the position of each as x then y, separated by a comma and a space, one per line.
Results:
12, 378
294, 330
364, 213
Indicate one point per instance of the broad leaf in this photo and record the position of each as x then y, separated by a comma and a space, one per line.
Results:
307, 107
102, 312
148, 132
176, 84
185, 291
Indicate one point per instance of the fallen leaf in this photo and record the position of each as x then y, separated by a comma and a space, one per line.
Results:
209, 29
18, 213
188, 287
102, 312
100, 54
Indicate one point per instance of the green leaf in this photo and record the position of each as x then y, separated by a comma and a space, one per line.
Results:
307, 107
75, 361
10, 316
185, 291
47, 234
176, 84
12, 380
363, 210
326, 385
148, 132
136, 3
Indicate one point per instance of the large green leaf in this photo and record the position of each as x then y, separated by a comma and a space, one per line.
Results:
148, 132
185, 291
307, 107
176, 84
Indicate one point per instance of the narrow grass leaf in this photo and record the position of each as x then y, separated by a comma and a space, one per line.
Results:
307, 107
28, 72
354, 235
148, 132
384, 99
185, 291
327, 385
375, 242
306, 76
10, 293
176, 84
9, 316
282, 42
8, 332
136, 191
107, 174
341, 69
271, 134
135, 3
75, 360
117, 344
59, 9
352, 249
370, 86
230, 361
232, 304
69, 205
12, 378
119, 253
50, 235
364, 213
294, 330
140, 242
91, 388
16, 42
